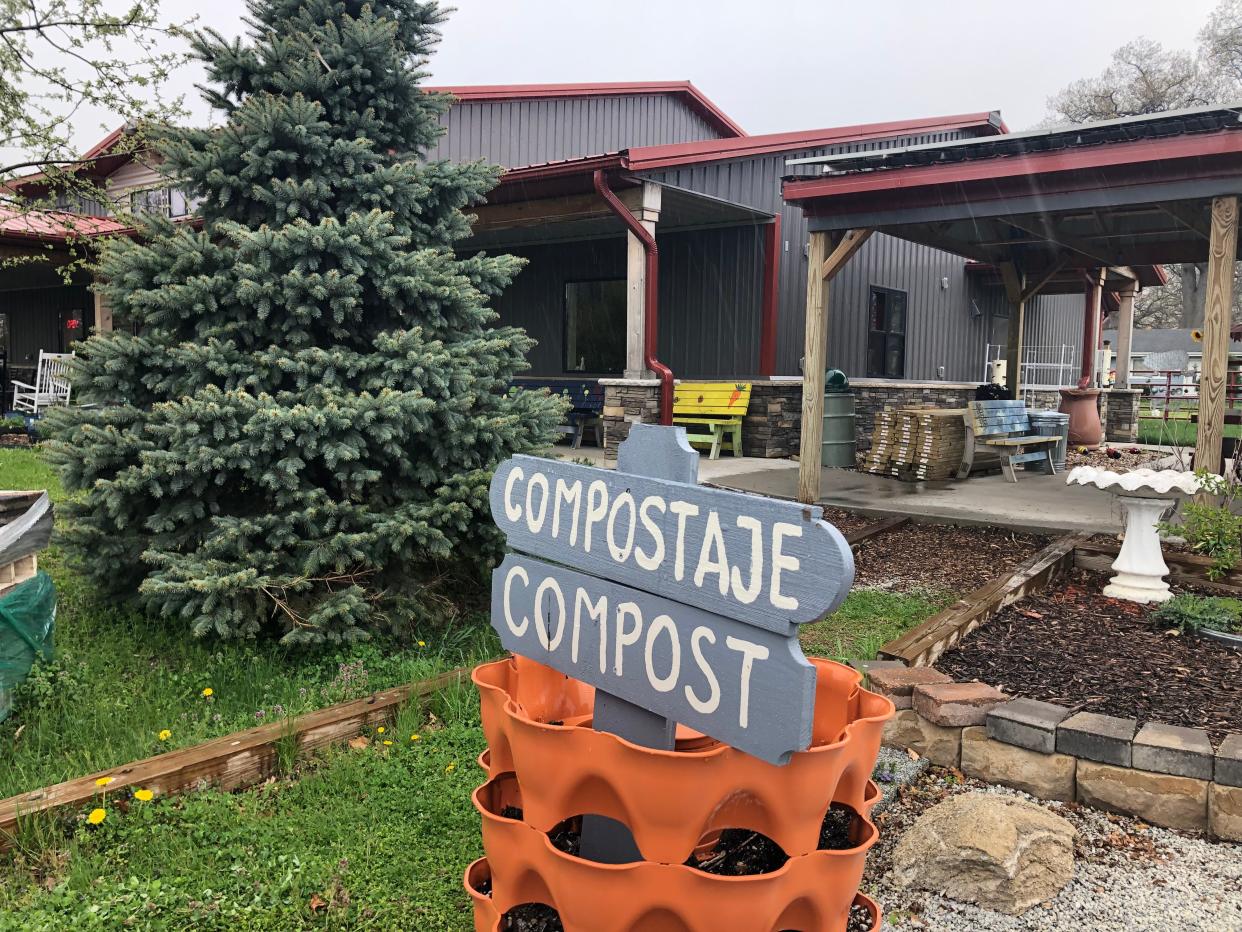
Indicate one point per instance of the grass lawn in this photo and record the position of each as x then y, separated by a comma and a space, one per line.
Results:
1175, 432
118, 680
373, 838
868, 620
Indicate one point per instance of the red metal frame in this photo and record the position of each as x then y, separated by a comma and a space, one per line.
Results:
772, 244
1025, 167
695, 97
651, 296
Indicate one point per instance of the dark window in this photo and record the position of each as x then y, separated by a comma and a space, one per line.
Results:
595, 326
886, 336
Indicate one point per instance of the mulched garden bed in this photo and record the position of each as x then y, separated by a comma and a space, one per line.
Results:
847, 521
937, 557
1073, 646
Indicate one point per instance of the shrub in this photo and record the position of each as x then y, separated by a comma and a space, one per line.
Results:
1190, 613
1212, 529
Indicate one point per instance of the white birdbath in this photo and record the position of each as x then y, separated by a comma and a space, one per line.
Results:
1144, 494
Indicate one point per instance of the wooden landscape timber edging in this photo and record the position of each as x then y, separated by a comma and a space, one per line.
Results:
920, 646
856, 537
1186, 568
231, 762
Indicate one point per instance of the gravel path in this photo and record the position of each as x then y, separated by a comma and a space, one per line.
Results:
1128, 877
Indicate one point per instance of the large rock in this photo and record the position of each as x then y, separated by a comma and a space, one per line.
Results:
1000, 852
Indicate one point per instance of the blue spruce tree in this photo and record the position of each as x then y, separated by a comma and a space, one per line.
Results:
296, 435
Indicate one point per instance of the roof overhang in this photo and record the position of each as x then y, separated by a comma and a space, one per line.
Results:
576, 212
1138, 197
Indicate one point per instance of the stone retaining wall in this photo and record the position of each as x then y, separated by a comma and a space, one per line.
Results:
772, 427
1164, 774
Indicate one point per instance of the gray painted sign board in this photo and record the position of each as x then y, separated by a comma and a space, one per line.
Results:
765, 562
748, 687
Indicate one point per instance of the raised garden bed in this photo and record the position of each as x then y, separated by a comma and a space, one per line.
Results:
939, 557
1073, 646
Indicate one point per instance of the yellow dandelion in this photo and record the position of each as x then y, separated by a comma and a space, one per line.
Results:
450, 768
380, 730
143, 796
208, 692
165, 735
96, 816
387, 743
422, 643
104, 781
416, 737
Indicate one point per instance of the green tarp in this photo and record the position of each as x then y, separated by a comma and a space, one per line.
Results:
27, 618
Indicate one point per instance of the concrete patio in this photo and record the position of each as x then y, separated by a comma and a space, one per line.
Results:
1035, 503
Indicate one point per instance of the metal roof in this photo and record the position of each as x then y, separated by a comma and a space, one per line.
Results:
696, 99
1128, 129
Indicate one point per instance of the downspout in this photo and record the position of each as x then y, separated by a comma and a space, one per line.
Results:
651, 323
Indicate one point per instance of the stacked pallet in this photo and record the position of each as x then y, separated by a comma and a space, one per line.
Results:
917, 444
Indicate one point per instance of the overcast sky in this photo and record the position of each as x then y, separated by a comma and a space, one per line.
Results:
787, 66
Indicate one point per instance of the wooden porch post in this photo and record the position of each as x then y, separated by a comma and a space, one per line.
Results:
1091, 323
1125, 334
646, 207
822, 266
1015, 339
1222, 254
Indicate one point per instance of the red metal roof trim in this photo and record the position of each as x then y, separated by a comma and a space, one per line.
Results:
1111, 155
712, 150
54, 226
696, 98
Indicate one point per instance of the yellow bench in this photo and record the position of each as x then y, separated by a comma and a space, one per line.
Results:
712, 412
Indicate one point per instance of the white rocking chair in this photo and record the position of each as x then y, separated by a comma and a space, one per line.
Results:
51, 384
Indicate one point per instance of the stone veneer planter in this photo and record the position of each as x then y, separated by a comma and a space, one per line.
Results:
1166, 775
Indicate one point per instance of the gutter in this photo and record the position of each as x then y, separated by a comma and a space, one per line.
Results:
651, 325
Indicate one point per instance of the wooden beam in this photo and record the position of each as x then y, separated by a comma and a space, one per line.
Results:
521, 214
1014, 287
849, 244
867, 531
1222, 254
1039, 286
1042, 228
1125, 335
810, 453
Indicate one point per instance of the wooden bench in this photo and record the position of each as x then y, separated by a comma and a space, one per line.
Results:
1003, 427
587, 398
712, 413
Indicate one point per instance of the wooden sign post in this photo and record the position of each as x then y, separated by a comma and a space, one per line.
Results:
678, 603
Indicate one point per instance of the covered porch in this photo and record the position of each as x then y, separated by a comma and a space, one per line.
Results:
1093, 204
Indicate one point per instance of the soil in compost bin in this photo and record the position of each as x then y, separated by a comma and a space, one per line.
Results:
1075, 647
532, 917
939, 557
860, 919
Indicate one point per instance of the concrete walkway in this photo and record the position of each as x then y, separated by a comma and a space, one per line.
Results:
1034, 503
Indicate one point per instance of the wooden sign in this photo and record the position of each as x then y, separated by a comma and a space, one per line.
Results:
744, 685
765, 562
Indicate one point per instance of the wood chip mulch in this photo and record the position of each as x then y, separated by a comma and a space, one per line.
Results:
1121, 458
1079, 649
937, 557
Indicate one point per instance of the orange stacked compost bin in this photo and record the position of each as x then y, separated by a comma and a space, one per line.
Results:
796, 810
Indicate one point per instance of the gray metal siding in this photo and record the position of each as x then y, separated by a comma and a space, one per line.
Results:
536, 299
941, 330
1055, 320
711, 296
526, 132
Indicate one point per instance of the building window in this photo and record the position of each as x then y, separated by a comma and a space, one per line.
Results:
595, 326
886, 337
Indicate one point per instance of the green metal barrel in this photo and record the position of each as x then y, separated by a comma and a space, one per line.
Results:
838, 441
